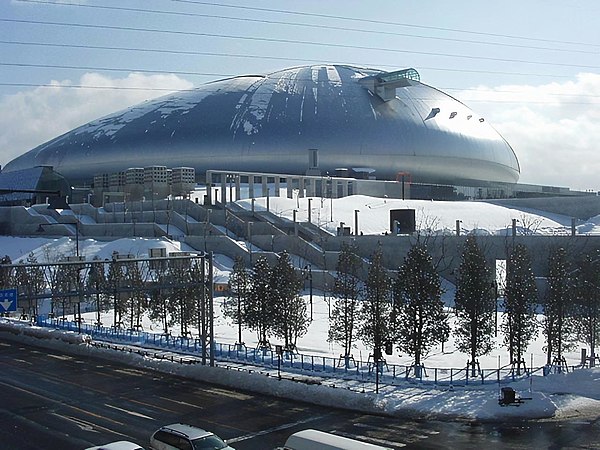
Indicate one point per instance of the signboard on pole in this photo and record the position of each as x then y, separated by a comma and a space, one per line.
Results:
8, 300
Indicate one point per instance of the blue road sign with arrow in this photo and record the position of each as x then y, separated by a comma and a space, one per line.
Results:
8, 300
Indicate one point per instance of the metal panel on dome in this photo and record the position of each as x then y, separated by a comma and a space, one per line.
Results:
268, 123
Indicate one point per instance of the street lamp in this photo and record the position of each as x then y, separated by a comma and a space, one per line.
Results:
230, 179
250, 239
295, 223
310, 287
356, 211
330, 189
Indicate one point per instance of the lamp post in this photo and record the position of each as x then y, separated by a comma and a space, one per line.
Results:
206, 225
330, 189
250, 239
77, 238
310, 287
356, 211
295, 223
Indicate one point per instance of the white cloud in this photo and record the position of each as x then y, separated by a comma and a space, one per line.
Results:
553, 128
32, 117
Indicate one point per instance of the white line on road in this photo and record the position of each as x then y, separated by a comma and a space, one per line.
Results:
271, 430
133, 413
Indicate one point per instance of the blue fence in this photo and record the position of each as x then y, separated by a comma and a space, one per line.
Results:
297, 362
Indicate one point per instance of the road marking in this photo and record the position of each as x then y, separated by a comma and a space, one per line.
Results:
60, 402
88, 426
61, 357
271, 430
369, 439
23, 361
150, 405
132, 372
133, 413
179, 402
225, 393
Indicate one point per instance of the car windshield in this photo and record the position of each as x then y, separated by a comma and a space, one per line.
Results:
208, 443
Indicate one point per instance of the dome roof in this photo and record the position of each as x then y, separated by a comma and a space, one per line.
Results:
355, 117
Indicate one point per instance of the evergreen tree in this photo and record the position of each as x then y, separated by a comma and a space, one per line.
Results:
96, 285
520, 299
239, 288
65, 284
162, 299
346, 290
475, 304
116, 280
259, 310
374, 314
420, 321
135, 297
6, 273
289, 309
31, 282
588, 302
182, 296
557, 324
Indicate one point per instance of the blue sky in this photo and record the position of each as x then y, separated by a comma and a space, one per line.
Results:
532, 68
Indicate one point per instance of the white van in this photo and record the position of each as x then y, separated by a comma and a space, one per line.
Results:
319, 440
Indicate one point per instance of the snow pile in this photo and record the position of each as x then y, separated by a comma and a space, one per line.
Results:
430, 216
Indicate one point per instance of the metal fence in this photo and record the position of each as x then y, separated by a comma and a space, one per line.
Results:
322, 366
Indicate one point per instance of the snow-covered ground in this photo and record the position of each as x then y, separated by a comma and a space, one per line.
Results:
563, 396
437, 216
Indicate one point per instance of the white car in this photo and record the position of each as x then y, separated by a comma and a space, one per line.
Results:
119, 445
179, 436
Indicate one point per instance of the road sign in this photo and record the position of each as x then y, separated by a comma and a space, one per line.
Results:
8, 300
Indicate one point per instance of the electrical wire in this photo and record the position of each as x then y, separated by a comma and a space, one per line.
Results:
383, 22
306, 25
295, 42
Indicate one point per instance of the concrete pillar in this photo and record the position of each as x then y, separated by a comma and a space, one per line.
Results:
277, 186
251, 186
334, 188
209, 176
264, 185
238, 190
223, 189
344, 188
290, 184
309, 183
302, 187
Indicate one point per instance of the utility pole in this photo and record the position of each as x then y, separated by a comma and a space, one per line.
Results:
211, 309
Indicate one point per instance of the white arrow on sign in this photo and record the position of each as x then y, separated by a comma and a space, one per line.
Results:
6, 304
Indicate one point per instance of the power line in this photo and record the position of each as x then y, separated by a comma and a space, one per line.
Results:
306, 25
181, 72
383, 22
115, 69
293, 41
142, 88
83, 86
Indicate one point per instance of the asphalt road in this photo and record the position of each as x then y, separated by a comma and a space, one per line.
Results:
51, 400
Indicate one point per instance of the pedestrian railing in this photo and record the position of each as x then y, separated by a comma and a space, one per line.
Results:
324, 366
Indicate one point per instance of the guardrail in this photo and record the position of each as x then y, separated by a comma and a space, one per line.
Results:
323, 366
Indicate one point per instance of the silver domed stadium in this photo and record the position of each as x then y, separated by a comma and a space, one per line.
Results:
384, 123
